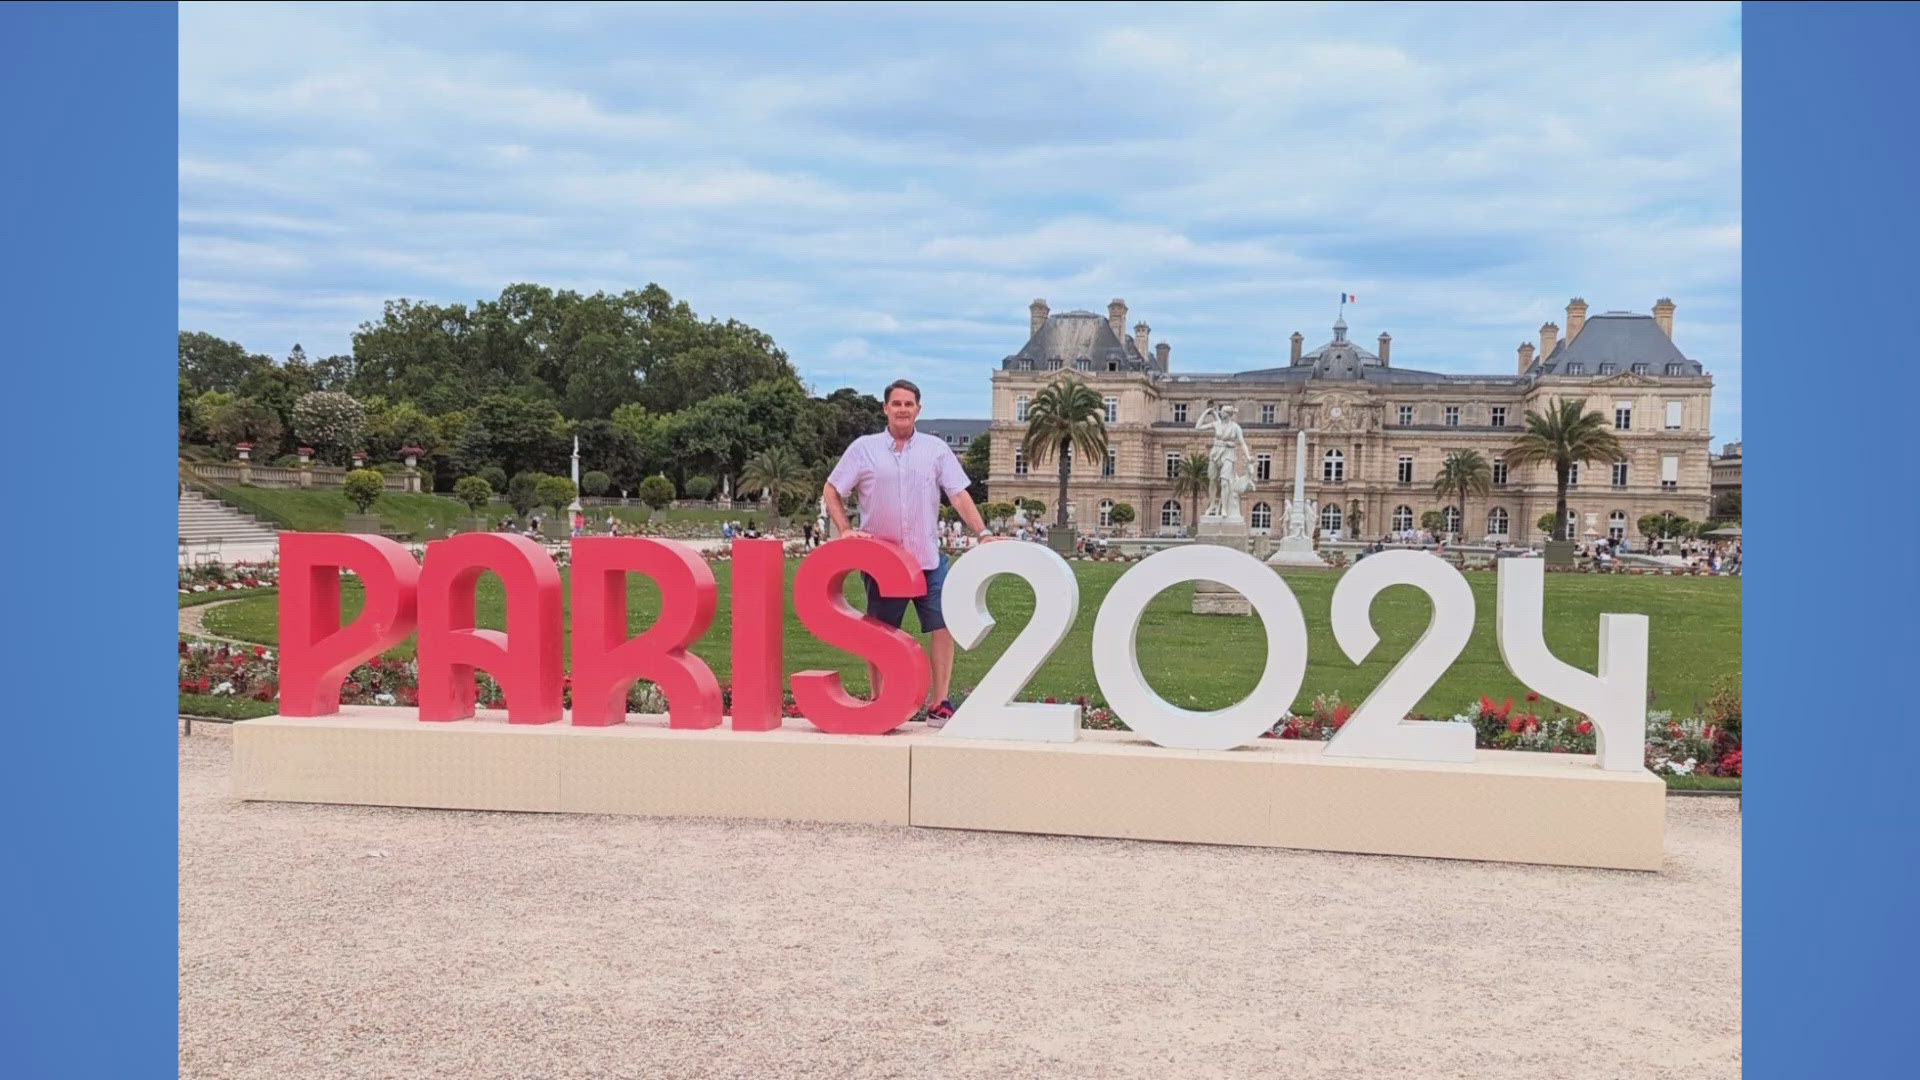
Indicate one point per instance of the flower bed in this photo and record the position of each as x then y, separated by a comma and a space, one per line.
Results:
225, 577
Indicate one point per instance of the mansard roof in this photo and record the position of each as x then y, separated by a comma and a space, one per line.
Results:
1075, 336
1620, 338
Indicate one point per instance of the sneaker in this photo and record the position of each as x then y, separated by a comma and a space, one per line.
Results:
938, 716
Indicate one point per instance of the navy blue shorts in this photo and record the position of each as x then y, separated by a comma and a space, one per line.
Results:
892, 610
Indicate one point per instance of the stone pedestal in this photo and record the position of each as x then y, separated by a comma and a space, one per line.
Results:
1211, 597
1062, 538
1559, 553
1296, 551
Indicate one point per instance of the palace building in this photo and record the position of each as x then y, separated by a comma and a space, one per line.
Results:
1376, 433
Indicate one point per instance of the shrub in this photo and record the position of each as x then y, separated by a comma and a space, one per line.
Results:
1547, 522
657, 491
474, 491
363, 487
698, 487
523, 492
596, 483
1433, 520
1122, 513
1033, 507
329, 421
243, 420
557, 492
495, 476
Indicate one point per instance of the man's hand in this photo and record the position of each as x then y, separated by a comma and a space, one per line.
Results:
990, 538
855, 534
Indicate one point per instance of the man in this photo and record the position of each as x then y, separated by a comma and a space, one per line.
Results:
899, 475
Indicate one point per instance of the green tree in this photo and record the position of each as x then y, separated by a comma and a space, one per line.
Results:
474, 491
363, 487
779, 471
1546, 523
997, 511
978, 462
1066, 418
523, 491
1190, 486
841, 417
1564, 436
390, 427
331, 422
243, 419
557, 492
516, 434
699, 487
495, 476
1463, 473
1726, 506
1432, 520
656, 491
595, 483
211, 363
1121, 514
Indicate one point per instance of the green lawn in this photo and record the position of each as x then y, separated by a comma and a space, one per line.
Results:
1210, 661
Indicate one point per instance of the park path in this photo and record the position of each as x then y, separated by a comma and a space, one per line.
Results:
193, 621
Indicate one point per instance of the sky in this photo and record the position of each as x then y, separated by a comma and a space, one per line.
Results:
885, 188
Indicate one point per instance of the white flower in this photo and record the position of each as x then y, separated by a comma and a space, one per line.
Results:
1682, 768
223, 689
383, 699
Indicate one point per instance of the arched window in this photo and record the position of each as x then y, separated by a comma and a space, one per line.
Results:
1330, 518
1497, 521
1450, 520
1020, 408
1170, 514
1106, 513
1333, 467
1617, 526
1402, 518
1262, 516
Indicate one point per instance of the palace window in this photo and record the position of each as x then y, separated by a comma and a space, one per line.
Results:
1608, 369
1020, 408
1179, 412
1453, 416
1019, 462
1113, 410
1499, 472
1170, 514
1497, 522
1499, 416
1450, 520
1113, 365
1669, 472
1263, 466
1173, 464
1106, 513
1676, 369
1617, 526
1573, 523
1673, 415
1266, 414
1576, 369
1623, 415
1406, 415
1333, 467
1402, 518
1639, 369
1262, 516
1405, 469
1106, 463
1619, 474
1573, 475
1330, 518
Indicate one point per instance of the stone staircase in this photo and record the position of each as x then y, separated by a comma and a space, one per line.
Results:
206, 521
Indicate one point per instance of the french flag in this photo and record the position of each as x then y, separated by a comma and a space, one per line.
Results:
1348, 298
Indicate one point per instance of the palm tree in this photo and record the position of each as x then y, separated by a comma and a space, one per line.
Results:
778, 471
1065, 416
1463, 473
1565, 436
1190, 484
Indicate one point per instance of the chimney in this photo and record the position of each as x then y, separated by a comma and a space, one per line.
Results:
1663, 315
1386, 346
1297, 340
1160, 352
1526, 356
1576, 318
1117, 317
1549, 334
1037, 316
1140, 332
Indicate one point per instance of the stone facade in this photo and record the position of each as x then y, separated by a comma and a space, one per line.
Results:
1364, 418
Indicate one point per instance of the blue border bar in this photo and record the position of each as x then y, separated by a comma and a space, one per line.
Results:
88, 265
1830, 335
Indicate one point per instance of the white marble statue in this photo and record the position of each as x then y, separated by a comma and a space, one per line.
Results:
1301, 516
1228, 477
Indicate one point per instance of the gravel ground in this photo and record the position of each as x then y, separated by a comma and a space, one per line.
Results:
335, 941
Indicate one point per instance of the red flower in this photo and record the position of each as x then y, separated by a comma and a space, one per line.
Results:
1486, 705
1508, 707
1340, 713
1514, 725
1533, 697
1584, 727
1730, 765
259, 650
1051, 700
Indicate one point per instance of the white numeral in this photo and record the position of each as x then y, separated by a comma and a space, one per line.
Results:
990, 711
1116, 660
1615, 700
1379, 728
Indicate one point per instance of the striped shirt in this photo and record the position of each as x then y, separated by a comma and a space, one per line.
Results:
900, 489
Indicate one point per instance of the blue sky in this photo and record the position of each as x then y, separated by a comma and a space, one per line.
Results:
885, 189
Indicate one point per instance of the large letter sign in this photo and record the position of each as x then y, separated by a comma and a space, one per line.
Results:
527, 660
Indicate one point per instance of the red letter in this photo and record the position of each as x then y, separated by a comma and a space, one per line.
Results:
315, 654
527, 661
759, 586
823, 608
606, 662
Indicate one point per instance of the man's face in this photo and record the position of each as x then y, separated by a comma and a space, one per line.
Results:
902, 409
